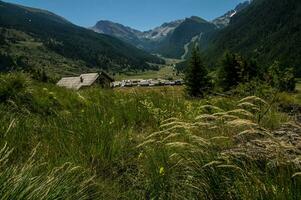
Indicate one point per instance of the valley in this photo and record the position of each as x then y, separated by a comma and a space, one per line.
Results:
196, 108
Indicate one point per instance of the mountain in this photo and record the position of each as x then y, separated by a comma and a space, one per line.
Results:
224, 20
173, 39
132, 35
161, 32
147, 40
183, 34
120, 31
169, 39
32, 37
267, 30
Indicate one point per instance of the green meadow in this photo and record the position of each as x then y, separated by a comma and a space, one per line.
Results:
146, 143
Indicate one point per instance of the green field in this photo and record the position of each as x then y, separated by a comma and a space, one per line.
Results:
166, 71
143, 144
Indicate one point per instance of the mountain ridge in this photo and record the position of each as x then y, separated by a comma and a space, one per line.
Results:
166, 39
55, 35
160, 39
224, 20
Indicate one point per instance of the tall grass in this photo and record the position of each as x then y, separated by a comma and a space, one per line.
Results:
220, 154
32, 180
140, 144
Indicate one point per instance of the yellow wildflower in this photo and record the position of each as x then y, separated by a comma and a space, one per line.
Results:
162, 171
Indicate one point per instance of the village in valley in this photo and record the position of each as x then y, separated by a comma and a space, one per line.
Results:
165, 76
146, 83
104, 80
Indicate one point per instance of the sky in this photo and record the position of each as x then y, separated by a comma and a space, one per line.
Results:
139, 14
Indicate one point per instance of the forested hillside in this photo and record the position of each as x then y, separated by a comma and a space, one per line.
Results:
267, 30
168, 39
29, 36
173, 46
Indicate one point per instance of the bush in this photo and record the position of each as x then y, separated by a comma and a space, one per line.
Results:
17, 91
14, 88
255, 88
281, 77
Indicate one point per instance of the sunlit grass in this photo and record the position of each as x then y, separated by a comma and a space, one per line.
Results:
141, 143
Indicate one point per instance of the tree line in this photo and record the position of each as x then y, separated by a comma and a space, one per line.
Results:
232, 71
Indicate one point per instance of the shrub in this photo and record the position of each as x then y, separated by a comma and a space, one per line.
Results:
14, 87
17, 91
281, 78
255, 88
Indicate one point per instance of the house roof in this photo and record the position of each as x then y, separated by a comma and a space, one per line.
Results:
70, 83
81, 81
107, 76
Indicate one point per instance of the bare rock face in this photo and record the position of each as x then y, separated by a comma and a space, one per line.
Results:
224, 20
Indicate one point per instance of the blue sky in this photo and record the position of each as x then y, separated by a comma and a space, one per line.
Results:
139, 14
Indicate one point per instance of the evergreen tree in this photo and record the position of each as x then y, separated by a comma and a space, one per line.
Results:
235, 69
196, 76
229, 74
248, 69
281, 78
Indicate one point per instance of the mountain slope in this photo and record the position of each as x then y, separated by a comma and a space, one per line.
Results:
267, 30
174, 44
168, 39
223, 21
147, 40
120, 31
60, 37
161, 32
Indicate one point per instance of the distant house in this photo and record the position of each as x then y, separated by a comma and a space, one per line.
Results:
86, 80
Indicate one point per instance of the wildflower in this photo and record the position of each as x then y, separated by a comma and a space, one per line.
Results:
162, 171
112, 121
82, 110
45, 89
140, 155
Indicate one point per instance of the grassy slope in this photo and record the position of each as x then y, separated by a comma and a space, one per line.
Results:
110, 135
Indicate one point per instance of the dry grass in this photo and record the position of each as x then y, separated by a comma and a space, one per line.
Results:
199, 156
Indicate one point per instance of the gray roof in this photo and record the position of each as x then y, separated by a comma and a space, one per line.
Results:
78, 82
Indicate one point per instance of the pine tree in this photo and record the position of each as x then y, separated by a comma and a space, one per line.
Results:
235, 69
196, 76
229, 74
